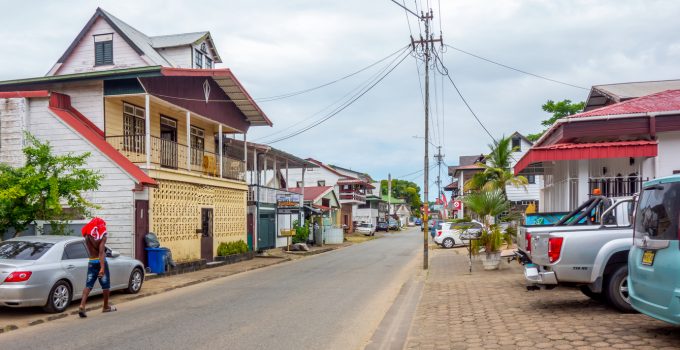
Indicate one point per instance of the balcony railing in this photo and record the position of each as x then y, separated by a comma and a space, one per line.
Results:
619, 186
172, 155
352, 196
266, 194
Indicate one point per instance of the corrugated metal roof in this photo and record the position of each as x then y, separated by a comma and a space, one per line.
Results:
659, 102
594, 150
176, 39
142, 41
637, 89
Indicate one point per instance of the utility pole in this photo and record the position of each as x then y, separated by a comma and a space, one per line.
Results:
426, 45
439, 156
389, 197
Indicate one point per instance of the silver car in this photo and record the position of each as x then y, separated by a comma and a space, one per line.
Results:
50, 271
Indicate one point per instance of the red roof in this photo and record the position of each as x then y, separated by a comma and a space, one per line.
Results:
60, 105
311, 193
664, 101
24, 94
574, 151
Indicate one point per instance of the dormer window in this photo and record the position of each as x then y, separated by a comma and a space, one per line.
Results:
208, 63
198, 59
516, 144
103, 49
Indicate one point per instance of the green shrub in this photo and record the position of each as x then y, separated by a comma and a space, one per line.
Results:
301, 232
232, 248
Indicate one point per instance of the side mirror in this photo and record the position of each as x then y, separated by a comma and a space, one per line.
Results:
115, 254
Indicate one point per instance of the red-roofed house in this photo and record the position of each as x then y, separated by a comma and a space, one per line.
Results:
154, 112
612, 148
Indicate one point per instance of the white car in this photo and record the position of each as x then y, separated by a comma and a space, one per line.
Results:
366, 228
448, 234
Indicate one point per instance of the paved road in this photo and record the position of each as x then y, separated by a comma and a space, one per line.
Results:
329, 301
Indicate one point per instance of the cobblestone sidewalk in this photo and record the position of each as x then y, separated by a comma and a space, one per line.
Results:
493, 310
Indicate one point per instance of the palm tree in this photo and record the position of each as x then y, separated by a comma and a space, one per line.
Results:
488, 204
496, 174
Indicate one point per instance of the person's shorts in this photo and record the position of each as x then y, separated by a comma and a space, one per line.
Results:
93, 274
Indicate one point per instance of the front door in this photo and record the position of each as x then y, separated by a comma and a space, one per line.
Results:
168, 142
207, 234
266, 230
141, 228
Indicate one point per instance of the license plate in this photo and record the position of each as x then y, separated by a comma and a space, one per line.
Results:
648, 257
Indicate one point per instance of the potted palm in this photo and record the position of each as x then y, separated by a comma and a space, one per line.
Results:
487, 205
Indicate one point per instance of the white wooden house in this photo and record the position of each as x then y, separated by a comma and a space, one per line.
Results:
152, 112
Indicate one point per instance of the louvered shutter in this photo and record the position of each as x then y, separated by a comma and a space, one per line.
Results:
99, 53
108, 52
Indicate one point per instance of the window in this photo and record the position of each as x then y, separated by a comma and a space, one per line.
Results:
133, 128
516, 144
531, 179
657, 212
103, 49
22, 250
203, 47
75, 251
198, 59
197, 145
298, 184
208, 63
321, 183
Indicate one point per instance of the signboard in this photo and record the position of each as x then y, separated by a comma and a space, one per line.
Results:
287, 202
457, 205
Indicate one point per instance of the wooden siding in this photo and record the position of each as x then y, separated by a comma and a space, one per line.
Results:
115, 196
668, 160
12, 114
87, 97
530, 191
82, 58
179, 57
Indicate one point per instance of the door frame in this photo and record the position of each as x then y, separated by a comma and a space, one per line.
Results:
207, 240
141, 230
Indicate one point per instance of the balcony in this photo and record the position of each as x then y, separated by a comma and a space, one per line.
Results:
352, 197
172, 155
267, 195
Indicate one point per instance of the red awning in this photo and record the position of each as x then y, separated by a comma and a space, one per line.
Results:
597, 150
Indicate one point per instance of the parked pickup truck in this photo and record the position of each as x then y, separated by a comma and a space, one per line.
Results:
588, 248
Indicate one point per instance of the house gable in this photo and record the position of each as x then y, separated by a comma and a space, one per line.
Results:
80, 56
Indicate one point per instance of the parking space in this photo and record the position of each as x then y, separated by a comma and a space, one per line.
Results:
493, 310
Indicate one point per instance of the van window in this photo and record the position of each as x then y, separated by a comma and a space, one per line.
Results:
658, 211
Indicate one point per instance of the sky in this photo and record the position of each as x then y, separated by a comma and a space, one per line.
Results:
278, 47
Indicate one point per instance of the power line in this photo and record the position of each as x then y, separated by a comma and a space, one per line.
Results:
343, 107
295, 93
338, 102
516, 69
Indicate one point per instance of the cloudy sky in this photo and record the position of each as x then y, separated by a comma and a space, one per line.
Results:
276, 47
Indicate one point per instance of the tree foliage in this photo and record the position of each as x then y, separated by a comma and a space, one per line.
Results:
558, 110
48, 187
497, 171
406, 190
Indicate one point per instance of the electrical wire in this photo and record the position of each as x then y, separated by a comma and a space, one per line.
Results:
337, 102
334, 113
299, 92
515, 69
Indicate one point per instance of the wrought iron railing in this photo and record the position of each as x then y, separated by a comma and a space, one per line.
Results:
173, 155
618, 186
266, 194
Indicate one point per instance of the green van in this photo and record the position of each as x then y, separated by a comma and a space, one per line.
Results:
654, 259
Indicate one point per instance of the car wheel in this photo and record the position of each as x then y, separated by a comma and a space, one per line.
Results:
447, 243
136, 281
59, 298
616, 288
590, 294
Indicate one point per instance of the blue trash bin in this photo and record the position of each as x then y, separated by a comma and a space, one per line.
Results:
156, 258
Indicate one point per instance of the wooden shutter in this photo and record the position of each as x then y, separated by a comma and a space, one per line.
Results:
103, 52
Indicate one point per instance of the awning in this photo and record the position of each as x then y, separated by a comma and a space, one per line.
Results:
597, 150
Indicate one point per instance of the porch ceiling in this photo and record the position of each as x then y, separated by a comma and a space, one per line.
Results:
533, 159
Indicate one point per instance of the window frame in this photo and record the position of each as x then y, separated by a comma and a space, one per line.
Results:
105, 44
195, 134
65, 255
518, 147
134, 135
198, 59
208, 62
531, 179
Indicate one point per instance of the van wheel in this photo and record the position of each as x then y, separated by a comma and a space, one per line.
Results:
447, 243
616, 288
592, 295
59, 298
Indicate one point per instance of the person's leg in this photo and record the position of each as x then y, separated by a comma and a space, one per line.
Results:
92, 272
106, 288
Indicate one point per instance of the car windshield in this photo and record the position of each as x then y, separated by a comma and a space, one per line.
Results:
365, 225
658, 211
22, 250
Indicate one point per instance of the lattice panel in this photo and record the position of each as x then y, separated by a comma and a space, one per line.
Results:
176, 208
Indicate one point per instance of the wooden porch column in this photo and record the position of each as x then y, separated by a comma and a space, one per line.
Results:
301, 220
147, 130
245, 155
287, 183
188, 141
264, 172
276, 175
220, 145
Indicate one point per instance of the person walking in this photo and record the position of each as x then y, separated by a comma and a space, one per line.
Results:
97, 268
